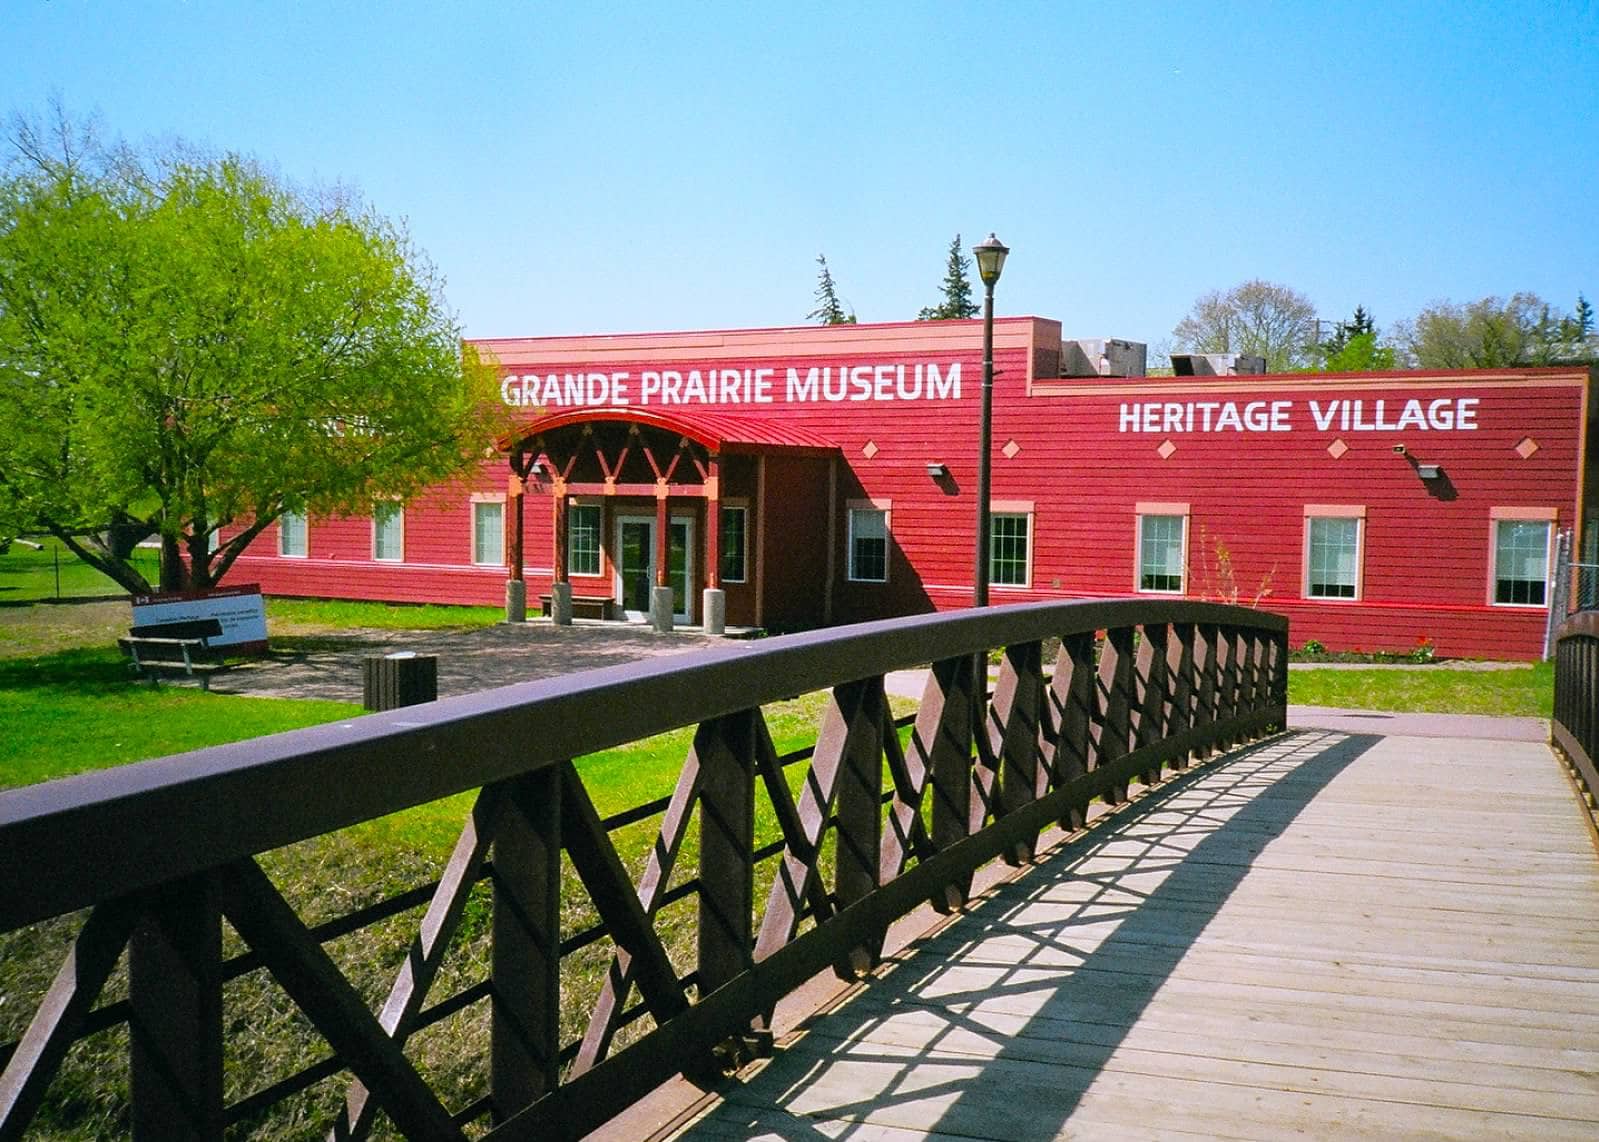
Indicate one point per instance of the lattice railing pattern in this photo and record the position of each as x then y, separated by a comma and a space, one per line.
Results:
889, 813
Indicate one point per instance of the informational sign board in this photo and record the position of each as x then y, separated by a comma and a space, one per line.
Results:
240, 610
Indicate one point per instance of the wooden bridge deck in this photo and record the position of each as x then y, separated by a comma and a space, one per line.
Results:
1330, 935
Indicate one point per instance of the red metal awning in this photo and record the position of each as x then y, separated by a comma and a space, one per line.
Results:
716, 431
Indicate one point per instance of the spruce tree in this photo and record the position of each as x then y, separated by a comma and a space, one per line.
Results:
957, 301
829, 310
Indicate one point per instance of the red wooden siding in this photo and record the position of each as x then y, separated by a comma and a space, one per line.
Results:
1061, 445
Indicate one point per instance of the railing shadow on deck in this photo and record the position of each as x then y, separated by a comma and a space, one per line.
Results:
161, 853
1129, 899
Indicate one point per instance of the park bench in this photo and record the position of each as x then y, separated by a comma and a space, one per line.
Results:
584, 606
175, 646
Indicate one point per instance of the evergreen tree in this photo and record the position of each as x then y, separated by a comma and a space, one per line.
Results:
957, 301
829, 309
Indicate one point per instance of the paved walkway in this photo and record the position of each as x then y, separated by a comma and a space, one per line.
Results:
468, 660
1380, 934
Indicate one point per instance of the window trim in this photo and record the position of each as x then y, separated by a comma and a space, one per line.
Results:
305, 536
572, 504
486, 498
1144, 508
1497, 515
742, 506
1356, 512
885, 507
1024, 509
399, 510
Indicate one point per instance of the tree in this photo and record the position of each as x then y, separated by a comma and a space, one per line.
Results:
1257, 317
829, 310
189, 344
957, 301
1353, 347
1494, 332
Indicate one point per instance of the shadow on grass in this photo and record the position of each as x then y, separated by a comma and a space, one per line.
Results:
84, 670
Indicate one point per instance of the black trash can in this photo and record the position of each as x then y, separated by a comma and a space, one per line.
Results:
405, 678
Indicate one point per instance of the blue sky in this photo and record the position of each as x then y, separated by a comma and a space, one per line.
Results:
591, 167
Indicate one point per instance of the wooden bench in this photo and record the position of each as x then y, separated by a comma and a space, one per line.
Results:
184, 646
584, 606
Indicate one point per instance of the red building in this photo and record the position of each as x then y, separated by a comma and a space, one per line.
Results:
826, 474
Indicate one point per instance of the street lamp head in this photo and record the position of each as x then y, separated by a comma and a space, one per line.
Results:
990, 259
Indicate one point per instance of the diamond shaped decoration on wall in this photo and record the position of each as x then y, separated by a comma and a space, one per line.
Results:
1526, 447
1166, 449
1337, 448
1010, 449
869, 450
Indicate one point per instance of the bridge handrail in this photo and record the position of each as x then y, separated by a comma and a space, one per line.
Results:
161, 851
1574, 729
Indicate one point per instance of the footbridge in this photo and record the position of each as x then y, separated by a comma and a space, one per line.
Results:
1090, 882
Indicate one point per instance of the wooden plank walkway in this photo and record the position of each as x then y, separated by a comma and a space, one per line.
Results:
1331, 935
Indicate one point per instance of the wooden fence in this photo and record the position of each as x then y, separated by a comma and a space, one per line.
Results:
157, 855
1574, 730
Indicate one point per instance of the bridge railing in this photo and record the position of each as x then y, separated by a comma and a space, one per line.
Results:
1575, 727
166, 859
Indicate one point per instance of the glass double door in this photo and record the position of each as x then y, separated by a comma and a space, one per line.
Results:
635, 565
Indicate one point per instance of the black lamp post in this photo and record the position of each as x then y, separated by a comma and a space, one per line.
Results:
990, 261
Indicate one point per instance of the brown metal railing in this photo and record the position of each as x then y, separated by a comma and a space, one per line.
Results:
1574, 729
160, 853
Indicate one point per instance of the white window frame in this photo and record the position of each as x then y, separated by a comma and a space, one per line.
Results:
1356, 512
304, 534
1012, 509
879, 507
742, 507
487, 498
599, 537
399, 538
1502, 515
1145, 509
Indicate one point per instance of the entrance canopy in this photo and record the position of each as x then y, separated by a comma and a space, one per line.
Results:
635, 453
659, 433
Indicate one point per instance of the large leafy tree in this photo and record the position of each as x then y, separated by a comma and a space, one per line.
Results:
830, 310
189, 344
1256, 317
1491, 332
957, 301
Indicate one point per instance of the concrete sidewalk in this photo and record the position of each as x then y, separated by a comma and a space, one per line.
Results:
468, 660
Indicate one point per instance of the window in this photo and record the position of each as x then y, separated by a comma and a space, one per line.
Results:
1332, 550
291, 535
488, 532
1161, 539
388, 532
868, 544
1009, 532
583, 539
1521, 561
734, 547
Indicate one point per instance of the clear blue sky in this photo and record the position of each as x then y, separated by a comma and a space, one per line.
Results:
592, 167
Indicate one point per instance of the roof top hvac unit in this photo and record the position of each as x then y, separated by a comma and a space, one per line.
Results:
1216, 364
1102, 357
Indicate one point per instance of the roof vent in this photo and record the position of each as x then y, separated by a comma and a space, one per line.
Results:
1102, 357
1216, 364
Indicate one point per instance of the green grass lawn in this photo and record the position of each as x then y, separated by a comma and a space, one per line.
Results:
1527, 691
79, 710
28, 576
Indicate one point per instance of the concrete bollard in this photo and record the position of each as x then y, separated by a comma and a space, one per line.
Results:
515, 601
713, 605
561, 604
405, 678
661, 607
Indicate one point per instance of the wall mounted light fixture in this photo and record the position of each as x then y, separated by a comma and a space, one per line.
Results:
937, 471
